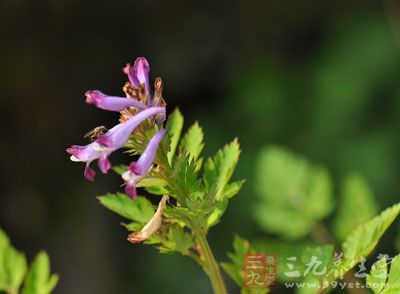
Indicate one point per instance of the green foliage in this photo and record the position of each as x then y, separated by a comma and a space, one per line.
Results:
284, 250
183, 181
293, 194
356, 197
39, 279
192, 142
177, 240
364, 238
296, 196
218, 170
13, 271
376, 279
199, 196
12, 266
360, 243
235, 266
382, 282
139, 211
174, 128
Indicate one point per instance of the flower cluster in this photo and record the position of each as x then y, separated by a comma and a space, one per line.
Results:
138, 106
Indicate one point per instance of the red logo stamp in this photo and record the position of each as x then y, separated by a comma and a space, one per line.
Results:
260, 270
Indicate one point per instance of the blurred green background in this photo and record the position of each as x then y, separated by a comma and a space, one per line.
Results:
321, 79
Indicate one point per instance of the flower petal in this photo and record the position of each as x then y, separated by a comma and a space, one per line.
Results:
145, 160
88, 152
116, 137
104, 164
111, 103
89, 173
130, 189
139, 73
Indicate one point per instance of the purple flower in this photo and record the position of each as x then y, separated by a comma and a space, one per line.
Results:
111, 103
107, 143
138, 74
138, 169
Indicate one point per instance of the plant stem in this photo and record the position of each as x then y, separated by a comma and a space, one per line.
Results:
210, 265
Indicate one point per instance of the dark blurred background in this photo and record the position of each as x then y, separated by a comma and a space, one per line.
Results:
321, 78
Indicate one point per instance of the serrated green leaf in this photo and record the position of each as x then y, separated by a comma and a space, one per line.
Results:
12, 265
293, 194
177, 241
376, 279
218, 170
174, 128
382, 282
360, 243
364, 238
355, 196
192, 142
15, 268
139, 210
216, 214
393, 283
39, 279
153, 185
183, 181
232, 189
235, 266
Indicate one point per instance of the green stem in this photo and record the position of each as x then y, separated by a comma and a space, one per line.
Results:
210, 265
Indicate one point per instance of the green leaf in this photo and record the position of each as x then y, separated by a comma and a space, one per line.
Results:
293, 194
153, 185
133, 227
4, 245
177, 241
360, 243
235, 266
139, 210
39, 279
376, 279
217, 213
380, 281
218, 170
15, 266
232, 189
183, 181
192, 142
394, 276
364, 238
174, 128
355, 196
12, 265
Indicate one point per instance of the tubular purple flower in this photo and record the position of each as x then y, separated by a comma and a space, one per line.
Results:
139, 74
138, 169
111, 103
86, 154
107, 143
116, 137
